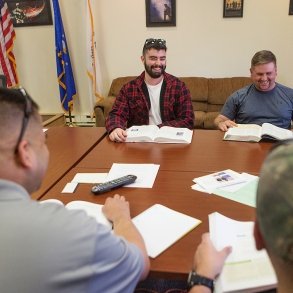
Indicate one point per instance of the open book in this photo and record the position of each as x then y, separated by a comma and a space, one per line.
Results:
254, 132
152, 133
92, 209
246, 269
161, 227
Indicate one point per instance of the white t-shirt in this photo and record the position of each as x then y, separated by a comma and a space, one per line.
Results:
155, 113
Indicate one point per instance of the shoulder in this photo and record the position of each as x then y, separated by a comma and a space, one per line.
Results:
284, 89
173, 82
137, 82
241, 93
169, 78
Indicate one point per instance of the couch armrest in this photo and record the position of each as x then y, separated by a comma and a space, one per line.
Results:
99, 114
102, 109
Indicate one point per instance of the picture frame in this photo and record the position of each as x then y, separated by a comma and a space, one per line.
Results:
233, 8
30, 12
160, 13
291, 7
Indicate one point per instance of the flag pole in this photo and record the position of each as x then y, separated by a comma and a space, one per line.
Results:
70, 117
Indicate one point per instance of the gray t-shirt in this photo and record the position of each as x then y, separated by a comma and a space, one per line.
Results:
251, 106
46, 248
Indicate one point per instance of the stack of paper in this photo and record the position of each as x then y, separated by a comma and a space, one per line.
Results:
246, 269
241, 188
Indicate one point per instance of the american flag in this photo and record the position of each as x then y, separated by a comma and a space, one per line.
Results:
7, 36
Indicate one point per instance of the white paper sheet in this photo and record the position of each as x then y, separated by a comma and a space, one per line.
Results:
90, 177
146, 173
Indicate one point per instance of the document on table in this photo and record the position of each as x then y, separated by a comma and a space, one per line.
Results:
245, 268
93, 178
146, 173
90, 177
246, 194
161, 227
243, 192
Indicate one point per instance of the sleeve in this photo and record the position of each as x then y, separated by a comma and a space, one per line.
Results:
230, 107
183, 110
118, 264
119, 114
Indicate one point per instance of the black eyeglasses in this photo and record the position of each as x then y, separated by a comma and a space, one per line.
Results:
27, 111
154, 42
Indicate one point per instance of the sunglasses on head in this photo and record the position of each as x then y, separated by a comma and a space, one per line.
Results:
154, 42
27, 111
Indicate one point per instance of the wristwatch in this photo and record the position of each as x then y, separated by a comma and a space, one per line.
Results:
195, 279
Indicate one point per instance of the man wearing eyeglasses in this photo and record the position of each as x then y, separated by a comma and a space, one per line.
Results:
262, 101
273, 228
155, 97
44, 247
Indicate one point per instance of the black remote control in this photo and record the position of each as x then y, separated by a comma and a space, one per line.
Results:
107, 186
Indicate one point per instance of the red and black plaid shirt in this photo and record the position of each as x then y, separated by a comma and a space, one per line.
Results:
132, 105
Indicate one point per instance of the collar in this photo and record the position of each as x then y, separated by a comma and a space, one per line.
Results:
11, 191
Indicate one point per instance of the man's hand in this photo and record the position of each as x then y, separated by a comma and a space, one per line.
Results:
116, 208
209, 262
118, 135
225, 125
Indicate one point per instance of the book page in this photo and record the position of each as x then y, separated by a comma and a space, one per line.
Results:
245, 267
160, 227
92, 209
168, 134
143, 133
276, 132
244, 132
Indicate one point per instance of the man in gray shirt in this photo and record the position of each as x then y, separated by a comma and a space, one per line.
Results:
262, 101
46, 248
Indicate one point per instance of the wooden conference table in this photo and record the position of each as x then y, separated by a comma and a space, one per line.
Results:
67, 146
207, 152
179, 164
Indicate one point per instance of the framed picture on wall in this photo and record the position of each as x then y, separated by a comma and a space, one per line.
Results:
30, 13
160, 12
233, 8
291, 7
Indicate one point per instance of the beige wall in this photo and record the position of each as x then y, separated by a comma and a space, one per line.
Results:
203, 43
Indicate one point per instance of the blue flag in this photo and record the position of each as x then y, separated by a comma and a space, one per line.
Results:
64, 70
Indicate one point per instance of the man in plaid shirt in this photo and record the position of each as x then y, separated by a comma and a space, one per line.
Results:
155, 97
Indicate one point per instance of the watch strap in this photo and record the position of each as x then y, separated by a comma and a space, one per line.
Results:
195, 279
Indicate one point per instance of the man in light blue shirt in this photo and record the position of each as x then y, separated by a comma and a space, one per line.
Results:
45, 247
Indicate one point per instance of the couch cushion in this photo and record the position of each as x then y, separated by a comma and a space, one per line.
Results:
198, 87
221, 88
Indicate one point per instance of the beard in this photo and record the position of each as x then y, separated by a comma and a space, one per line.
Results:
154, 73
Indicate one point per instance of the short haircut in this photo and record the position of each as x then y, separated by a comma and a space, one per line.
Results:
12, 107
263, 57
275, 202
157, 44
